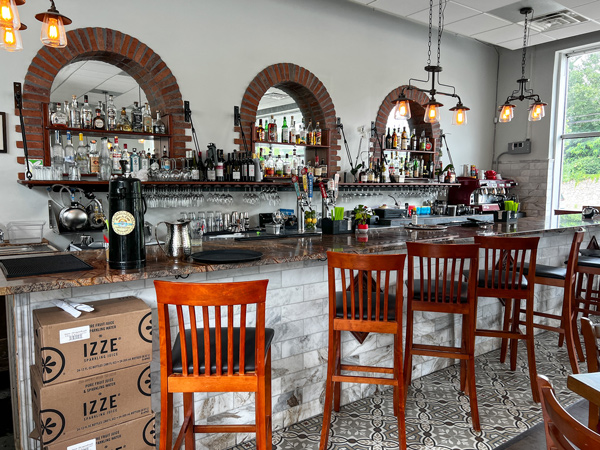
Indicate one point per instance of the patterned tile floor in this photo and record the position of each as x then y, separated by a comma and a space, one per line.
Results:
437, 413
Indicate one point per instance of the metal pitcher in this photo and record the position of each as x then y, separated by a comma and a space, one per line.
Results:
179, 240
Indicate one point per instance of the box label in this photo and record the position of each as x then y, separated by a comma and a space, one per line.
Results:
74, 334
87, 445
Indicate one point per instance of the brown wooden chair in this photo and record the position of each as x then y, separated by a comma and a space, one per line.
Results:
587, 293
564, 277
563, 431
364, 304
591, 334
238, 357
438, 286
504, 277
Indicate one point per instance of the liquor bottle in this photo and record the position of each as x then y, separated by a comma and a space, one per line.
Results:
292, 132
86, 114
422, 141
94, 157
219, 170
154, 162
285, 137
416, 168
124, 122
111, 114
236, 169
144, 160
158, 126
58, 157
136, 163
81, 158
126, 156
105, 161
278, 166
74, 113
165, 161
310, 136
302, 168
99, 123
258, 175
318, 135
388, 139
287, 166
69, 153
395, 139
273, 130
194, 169
211, 172
116, 157
67, 111
317, 169
413, 140
370, 173
421, 168
137, 124
262, 160
147, 119
404, 140
243, 167
266, 133
58, 117
227, 168
270, 165
260, 131
201, 167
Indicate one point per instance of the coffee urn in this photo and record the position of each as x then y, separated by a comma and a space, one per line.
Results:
126, 219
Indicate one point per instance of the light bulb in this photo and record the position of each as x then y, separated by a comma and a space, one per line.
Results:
460, 114
11, 40
402, 110
9, 16
537, 111
506, 113
53, 31
432, 113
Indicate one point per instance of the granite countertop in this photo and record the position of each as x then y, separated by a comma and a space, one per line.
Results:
277, 251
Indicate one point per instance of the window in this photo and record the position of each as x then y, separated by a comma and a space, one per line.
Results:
579, 139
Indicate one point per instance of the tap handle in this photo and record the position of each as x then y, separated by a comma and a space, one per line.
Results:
296, 187
323, 192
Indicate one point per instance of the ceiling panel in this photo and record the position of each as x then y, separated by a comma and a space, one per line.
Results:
515, 44
591, 10
485, 5
502, 34
453, 13
476, 24
401, 7
574, 30
574, 3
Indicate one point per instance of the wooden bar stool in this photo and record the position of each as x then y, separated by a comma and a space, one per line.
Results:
504, 277
564, 277
364, 304
438, 286
591, 334
238, 356
587, 294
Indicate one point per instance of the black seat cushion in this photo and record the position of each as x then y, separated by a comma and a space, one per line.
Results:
339, 306
500, 283
589, 261
464, 298
249, 363
558, 273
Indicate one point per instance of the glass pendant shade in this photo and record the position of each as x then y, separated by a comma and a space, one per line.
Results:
506, 113
11, 40
402, 109
9, 16
53, 31
459, 116
432, 112
537, 111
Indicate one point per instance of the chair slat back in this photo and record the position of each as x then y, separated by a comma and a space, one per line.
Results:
440, 270
365, 279
505, 259
574, 255
219, 307
563, 431
591, 334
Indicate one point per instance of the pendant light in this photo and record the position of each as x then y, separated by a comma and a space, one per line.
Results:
53, 28
432, 108
11, 39
9, 16
537, 110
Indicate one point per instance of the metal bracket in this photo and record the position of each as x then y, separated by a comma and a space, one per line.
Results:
187, 111
18, 95
373, 129
237, 119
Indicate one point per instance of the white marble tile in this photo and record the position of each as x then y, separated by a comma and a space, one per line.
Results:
302, 276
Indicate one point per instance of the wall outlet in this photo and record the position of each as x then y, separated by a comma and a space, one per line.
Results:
519, 148
361, 129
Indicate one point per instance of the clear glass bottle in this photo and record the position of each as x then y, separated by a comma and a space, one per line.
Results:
86, 114
310, 136
404, 142
147, 119
165, 161
287, 166
111, 114
69, 153
292, 132
294, 163
126, 156
158, 126
137, 124
279, 166
318, 135
59, 117
144, 160
81, 158
273, 130
94, 156
270, 166
124, 124
99, 123
370, 173
136, 163
58, 157
105, 160
116, 157
74, 113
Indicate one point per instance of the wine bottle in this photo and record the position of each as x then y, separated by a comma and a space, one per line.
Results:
284, 131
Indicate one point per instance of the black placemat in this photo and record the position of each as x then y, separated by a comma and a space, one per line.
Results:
226, 256
41, 265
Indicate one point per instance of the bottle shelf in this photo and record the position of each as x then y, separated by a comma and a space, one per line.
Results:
417, 182
269, 143
429, 152
94, 132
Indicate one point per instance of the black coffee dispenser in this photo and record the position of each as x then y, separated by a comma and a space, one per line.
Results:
126, 220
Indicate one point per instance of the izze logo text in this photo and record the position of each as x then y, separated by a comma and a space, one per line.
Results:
100, 347
100, 405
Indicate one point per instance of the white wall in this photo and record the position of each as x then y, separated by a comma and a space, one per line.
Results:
216, 47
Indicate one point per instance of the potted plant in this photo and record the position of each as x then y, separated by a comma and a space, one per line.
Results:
362, 215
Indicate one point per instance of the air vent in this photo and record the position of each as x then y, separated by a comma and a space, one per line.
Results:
556, 20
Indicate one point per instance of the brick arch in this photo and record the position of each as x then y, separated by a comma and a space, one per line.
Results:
417, 109
113, 47
308, 92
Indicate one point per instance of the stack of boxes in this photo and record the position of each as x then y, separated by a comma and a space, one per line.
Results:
91, 379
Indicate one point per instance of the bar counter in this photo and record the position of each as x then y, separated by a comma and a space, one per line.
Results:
297, 305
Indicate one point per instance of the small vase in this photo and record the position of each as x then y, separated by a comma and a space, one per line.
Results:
362, 228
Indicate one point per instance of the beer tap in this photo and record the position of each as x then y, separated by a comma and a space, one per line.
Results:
303, 201
329, 196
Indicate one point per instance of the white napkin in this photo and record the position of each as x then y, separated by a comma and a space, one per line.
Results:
72, 308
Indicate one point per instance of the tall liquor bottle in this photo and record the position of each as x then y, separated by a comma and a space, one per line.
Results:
413, 140
310, 134
81, 158
58, 117
370, 173
301, 133
124, 124
111, 114
137, 123
74, 113
195, 168
58, 157
69, 153
99, 123
394, 139
165, 161
318, 134
86, 114
260, 131
388, 139
116, 157
147, 119
270, 166
273, 130
94, 157
136, 161
292, 132
158, 126
285, 137
404, 140
105, 160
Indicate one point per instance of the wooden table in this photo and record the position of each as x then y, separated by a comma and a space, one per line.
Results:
587, 385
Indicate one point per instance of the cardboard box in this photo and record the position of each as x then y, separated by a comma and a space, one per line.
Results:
138, 434
75, 408
117, 334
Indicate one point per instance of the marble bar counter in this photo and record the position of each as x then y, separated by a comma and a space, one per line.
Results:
297, 302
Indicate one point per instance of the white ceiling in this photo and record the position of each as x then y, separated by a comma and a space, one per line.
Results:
495, 21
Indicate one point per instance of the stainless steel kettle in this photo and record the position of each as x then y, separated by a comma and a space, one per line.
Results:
179, 240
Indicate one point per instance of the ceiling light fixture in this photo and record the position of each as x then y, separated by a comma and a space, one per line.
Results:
53, 28
537, 109
432, 111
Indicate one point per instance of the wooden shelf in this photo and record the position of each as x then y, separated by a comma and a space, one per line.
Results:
429, 152
415, 183
289, 144
94, 132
